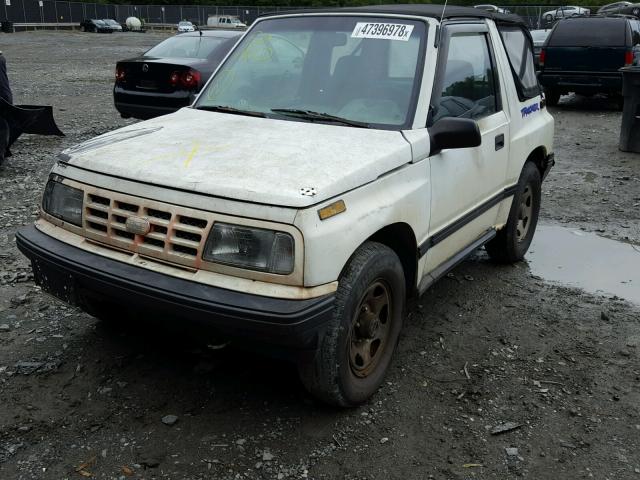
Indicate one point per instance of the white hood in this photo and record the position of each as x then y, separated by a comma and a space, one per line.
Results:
244, 158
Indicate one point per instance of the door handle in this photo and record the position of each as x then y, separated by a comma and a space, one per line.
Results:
500, 142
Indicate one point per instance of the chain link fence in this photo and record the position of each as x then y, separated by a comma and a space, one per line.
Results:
51, 11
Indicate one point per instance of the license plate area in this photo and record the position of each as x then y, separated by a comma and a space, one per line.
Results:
147, 84
61, 285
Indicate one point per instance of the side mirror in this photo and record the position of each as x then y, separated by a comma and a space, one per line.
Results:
454, 133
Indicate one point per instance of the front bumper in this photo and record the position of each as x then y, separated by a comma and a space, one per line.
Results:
77, 276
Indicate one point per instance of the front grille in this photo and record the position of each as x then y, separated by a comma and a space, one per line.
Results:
176, 234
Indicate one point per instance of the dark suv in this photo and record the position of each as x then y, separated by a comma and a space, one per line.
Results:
584, 55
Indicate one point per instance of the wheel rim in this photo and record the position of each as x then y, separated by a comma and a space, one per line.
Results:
525, 213
370, 329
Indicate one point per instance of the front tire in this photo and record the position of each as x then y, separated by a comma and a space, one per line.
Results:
355, 352
513, 240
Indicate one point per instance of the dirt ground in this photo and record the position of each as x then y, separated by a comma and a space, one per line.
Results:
488, 346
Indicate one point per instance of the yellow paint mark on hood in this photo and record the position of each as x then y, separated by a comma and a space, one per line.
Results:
191, 154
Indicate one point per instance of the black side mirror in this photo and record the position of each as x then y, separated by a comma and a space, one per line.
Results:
454, 133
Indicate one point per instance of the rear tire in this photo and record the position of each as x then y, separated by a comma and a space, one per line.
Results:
355, 351
549, 18
513, 240
552, 97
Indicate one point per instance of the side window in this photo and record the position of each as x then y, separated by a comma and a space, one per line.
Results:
520, 52
468, 86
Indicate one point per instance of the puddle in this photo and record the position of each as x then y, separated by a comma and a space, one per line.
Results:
587, 261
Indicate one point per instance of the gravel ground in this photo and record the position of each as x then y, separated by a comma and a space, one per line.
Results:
487, 348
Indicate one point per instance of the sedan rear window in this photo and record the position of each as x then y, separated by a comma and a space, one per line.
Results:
601, 32
189, 47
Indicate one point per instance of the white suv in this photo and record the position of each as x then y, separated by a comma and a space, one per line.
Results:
337, 163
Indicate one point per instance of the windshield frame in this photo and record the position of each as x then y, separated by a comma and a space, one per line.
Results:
418, 78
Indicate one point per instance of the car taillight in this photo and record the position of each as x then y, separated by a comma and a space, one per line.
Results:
543, 56
628, 58
190, 79
121, 74
174, 79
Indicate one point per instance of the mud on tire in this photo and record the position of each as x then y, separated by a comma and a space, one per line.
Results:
356, 349
513, 240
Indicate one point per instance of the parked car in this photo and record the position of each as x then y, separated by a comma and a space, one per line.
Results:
111, 23
225, 21
492, 8
584, 55
633, 9
325, 175
133, 24
185, 26
613, 7
565, 12
96, 26
170, 75
538, 37
635, 28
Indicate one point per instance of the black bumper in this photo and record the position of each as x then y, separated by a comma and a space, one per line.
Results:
146, 105
587, 82
143, 112
75, 275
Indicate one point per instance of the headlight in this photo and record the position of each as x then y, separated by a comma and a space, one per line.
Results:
251, 248
63, 202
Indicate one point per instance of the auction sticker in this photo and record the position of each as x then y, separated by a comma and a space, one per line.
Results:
390, 31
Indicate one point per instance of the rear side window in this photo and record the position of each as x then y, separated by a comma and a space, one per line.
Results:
601, 32
520, 52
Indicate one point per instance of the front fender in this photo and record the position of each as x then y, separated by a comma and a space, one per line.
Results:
400, 196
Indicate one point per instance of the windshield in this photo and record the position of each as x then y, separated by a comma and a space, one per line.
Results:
98, 22
363, 69
184, 24
189, 47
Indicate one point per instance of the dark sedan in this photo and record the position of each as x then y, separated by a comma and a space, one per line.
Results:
96, 26
633, 9
169, 76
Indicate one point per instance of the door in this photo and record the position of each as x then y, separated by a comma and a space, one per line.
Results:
467, 184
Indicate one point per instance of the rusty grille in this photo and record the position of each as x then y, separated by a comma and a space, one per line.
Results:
176, 234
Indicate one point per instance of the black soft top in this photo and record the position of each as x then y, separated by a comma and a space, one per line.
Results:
417, 9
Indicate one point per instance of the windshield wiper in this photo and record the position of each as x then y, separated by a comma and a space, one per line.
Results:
311, 115
227, 109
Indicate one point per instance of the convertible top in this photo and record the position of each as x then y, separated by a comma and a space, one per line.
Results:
417, 9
